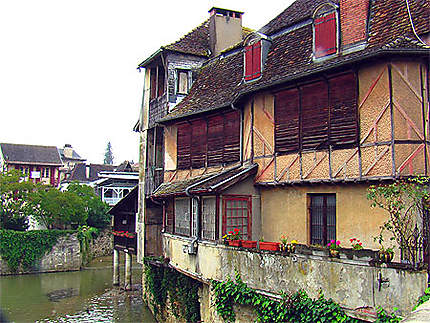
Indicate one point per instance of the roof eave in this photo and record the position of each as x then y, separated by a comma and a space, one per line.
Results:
151, 58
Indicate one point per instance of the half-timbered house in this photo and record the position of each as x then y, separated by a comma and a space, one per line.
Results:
284, 131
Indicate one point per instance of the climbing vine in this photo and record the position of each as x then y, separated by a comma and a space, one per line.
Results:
298, 307
85, 235
165, 283
23, 249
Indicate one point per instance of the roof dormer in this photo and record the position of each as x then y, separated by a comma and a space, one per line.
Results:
325, 27
256, 48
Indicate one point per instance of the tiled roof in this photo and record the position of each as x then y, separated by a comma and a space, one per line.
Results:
298, 11
75, 155
30, 154
79, 172
196, 42
208, 183
220, 82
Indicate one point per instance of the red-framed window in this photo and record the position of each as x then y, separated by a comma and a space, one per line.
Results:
322, 212
253, 61
237, 213
325, 35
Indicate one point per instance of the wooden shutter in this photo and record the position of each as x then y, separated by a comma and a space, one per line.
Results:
343, 115
215, 140
325, 35
153, 75
315, 116
287, 121
248, 62
184, 146
198, 143
160, 81
231, 137
256, 60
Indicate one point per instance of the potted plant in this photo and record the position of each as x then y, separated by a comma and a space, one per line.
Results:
234, 238
284, 243
271, 246
292, 246
386, 255
333, 247
356, 244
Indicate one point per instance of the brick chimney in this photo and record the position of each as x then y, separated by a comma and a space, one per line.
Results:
225, 29
353, 20
68, 151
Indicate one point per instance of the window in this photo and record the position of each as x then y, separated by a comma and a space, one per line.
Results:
211, 141
237, 214
209, 207
253, 61
325, 33
322, 212
45, 172
182, 217
182, 86
157, 80
195, 214
317, 115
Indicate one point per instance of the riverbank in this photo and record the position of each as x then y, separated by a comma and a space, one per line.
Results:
85, 295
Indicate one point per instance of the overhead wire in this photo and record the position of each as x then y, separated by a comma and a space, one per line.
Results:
412, 23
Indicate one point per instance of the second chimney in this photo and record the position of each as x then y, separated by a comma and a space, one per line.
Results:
225, 29
353, 20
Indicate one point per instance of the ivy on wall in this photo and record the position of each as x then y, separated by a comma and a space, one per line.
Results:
298, 307
164, 283
24, 249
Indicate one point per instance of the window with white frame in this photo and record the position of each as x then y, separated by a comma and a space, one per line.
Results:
209, 218
182, 217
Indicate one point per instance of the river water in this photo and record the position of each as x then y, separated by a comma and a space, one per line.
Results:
81, 296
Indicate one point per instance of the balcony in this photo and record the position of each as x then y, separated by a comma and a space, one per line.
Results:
158, 108
124, 243
353, 280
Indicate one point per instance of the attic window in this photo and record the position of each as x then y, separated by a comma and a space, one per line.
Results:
325, 32
253, 61
182, 87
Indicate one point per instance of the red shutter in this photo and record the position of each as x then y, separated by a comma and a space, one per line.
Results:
198, 143
315, 116
215, 140
325, 35
248, 62
231, 137
256, 58
343, 105
287, 121
184, 146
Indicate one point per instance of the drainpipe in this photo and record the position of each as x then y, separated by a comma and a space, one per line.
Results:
241, 131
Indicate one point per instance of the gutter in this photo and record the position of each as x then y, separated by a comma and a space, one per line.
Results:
214, 187
150, 58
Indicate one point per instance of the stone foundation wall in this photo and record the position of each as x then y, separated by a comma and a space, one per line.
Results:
102, 245
64, 256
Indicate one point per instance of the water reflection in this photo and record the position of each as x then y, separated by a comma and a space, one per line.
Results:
71, 297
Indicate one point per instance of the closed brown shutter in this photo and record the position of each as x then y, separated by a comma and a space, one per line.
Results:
184, 146
215, 140
231, 137
198, 143
343, 116
287, 121
315, 116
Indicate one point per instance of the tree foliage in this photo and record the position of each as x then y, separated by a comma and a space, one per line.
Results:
407, 203
108, 155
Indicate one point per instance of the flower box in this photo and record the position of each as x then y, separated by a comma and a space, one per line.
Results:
249, 244
235, 243
271, 246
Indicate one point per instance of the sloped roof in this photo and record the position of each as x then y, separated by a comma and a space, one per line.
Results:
196, 42
220, 82
208, 183
75, 155
79, 172
31, 154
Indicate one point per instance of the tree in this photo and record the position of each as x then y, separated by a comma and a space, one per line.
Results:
108, 154
96, 209
15, 203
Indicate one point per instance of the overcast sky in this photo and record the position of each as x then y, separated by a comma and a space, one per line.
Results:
68, 68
